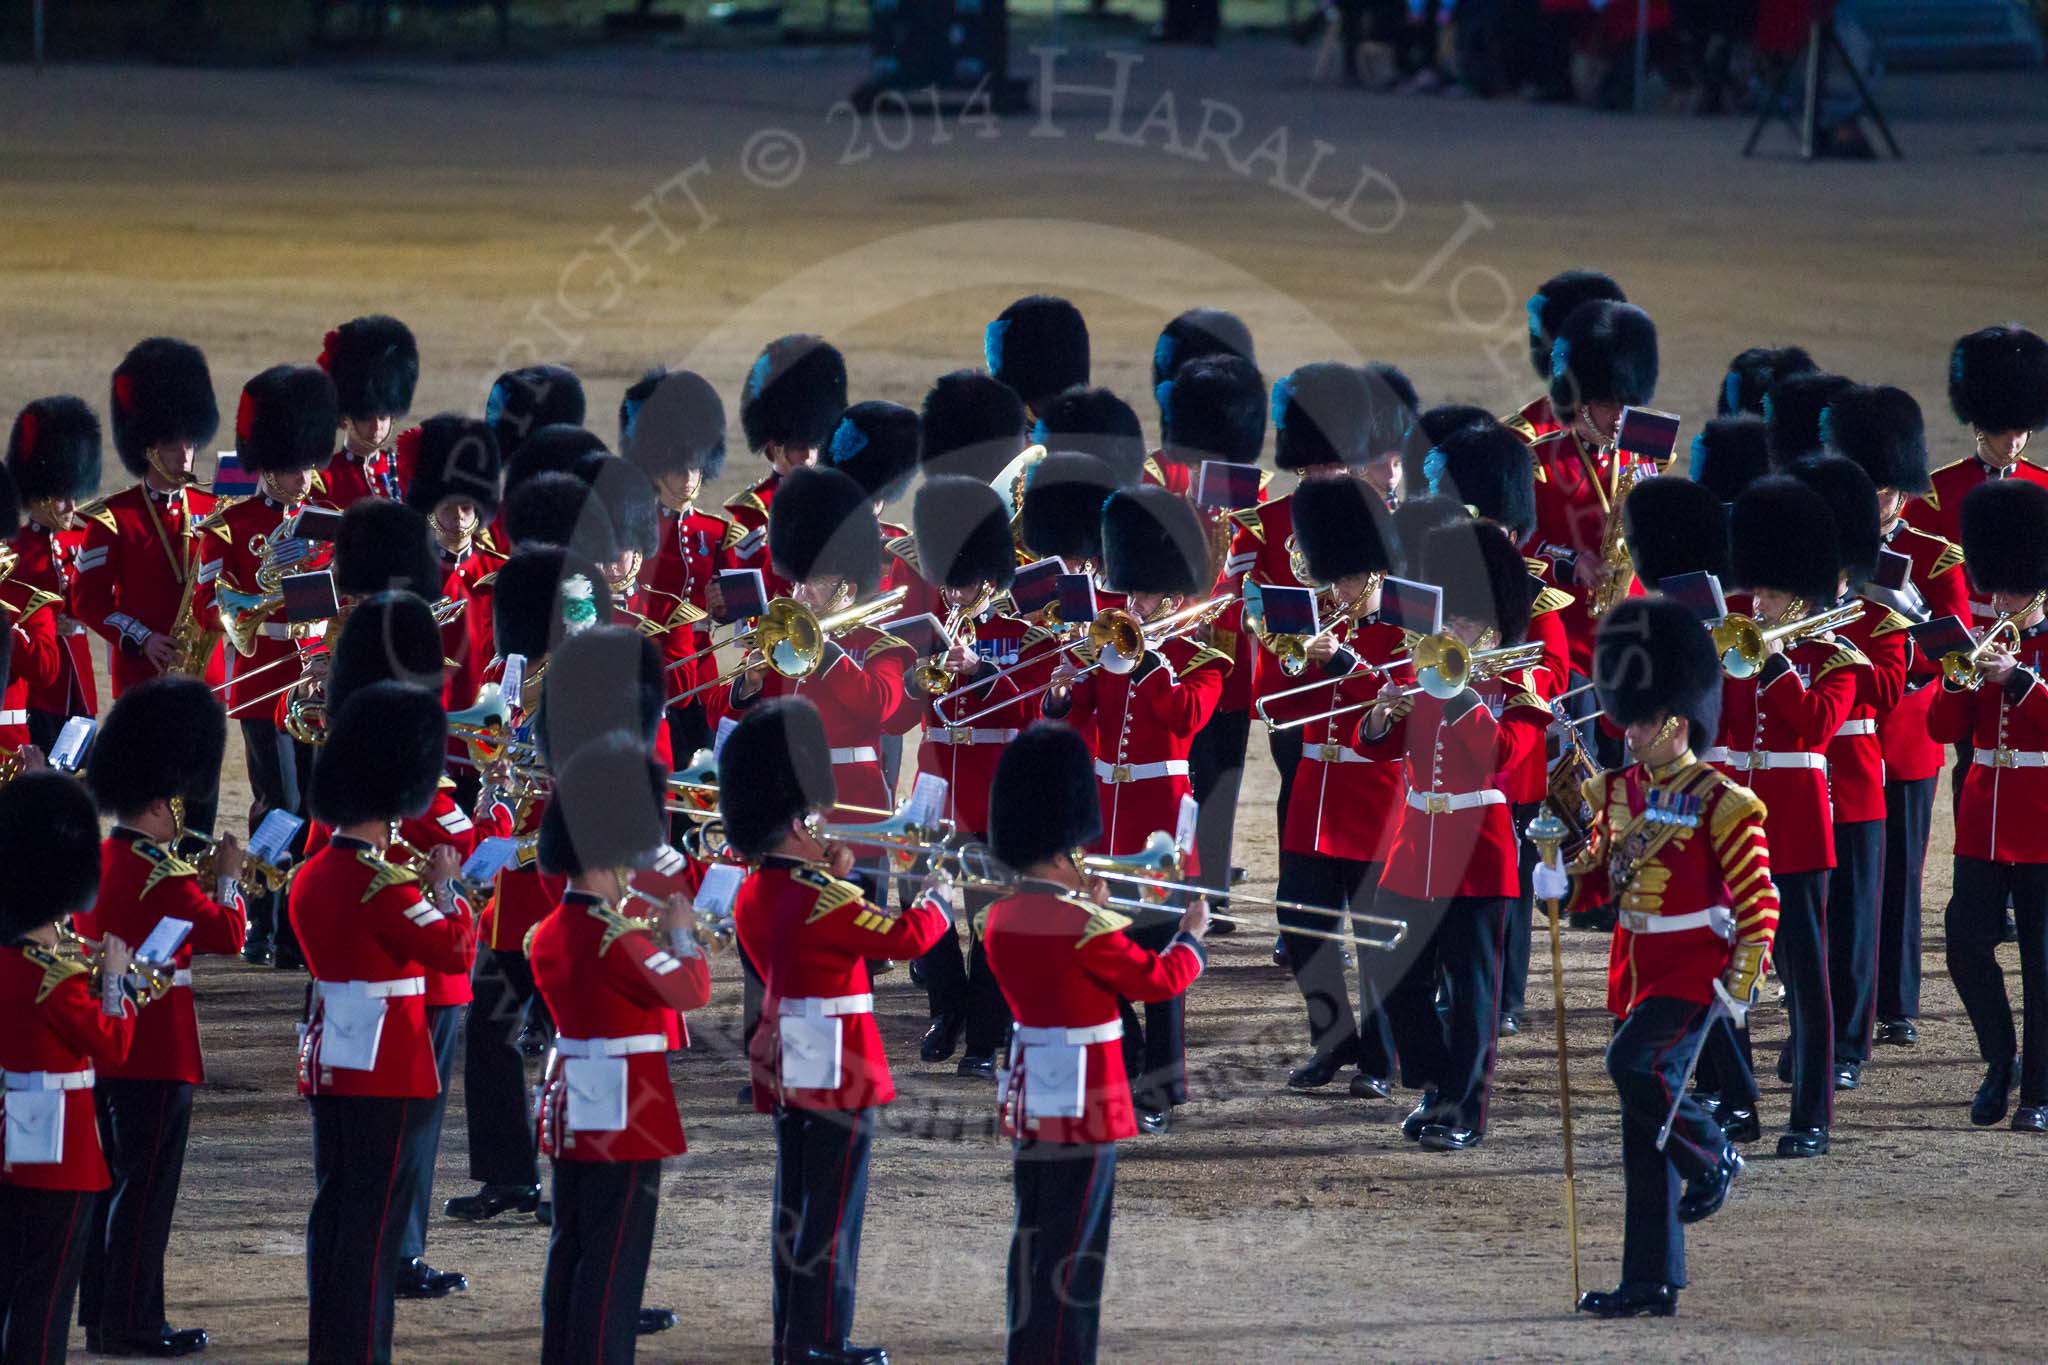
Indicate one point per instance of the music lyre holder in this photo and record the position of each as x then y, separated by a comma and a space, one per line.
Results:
1822, 45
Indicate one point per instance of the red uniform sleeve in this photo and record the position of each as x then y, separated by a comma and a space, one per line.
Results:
866, 687
38, 654
1953, 715
419, 931
96, 595
1393, 743
1523, 730
875, 932
216, 928
1815, 712
1745, 857
73, 1013
649, 974
1138, 974
1887, 654
1185, 704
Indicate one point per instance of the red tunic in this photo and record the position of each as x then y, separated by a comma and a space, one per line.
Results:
132, 571
1939, 511
1140, 726
1910, 753
1999, 818
1775, 732
1259, 553
1707, 851
140, 883
696, 547
810, 935
366, 931
966, 755
1455, 835
351, 478
48, 562
749, 549
1062, 964
1345, 803
230, 552
1533, 421
38, 660
1856, 772
1571, 520
612, 991
51, 1026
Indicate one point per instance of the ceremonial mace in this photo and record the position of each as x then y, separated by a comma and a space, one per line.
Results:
1548, 833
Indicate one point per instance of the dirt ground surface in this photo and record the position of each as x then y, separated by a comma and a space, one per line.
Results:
612, 210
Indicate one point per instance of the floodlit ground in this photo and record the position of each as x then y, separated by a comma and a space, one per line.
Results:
612, 210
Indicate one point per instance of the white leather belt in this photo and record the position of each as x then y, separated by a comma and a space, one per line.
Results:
864, 754
1756, 760
182, 977
80, 1079
1442, 803
375, 990
965, 735
1858, 727
1079, 1037
2009, 758
1334, 753
826, 1006
610, 1047
1140, 772
1719, 918
14, 717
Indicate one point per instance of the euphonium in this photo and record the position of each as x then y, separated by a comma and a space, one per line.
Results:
1965, 668
1743, 643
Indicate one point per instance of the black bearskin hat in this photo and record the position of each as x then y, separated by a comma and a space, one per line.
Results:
1326, 413
1605, 353
452, 456
164, 738
1998, 380
629, 501
1483, 576
673, 422
822, 522
1432, 429
1792, 413
1043, 800
1038, 346
877, 445
1653, 657
963, 533
1881, 429
607, 679
774, 767
1198, 333
1852, 499
1555, 300
1781, 535
543, 595
974, 424
558, 449
1343, 528
376, 365
162, 392
286, 420
54, 450
1153, 541
385, 752
1675, 526
387, 638
523, 401
1730, 454
1062, 513
385, 546
561, 509
1752, 373
2005, 536
10, 506
794, 394
606, 809
1095, 422
1489, 469
46, 823
1214, 408
1391, 406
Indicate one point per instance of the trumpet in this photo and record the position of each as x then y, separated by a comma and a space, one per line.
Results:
930, 675
1743, 643
144, 982
1964, 669
790, 638
716, 933
267, 877
1119, 641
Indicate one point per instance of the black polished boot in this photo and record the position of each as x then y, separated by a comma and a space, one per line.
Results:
1989, 1105
1632, 1300
1738, 1125
941, 1038
1803, 1142
1705, 1194
654, 1320
418, 1280
492, 1200
1421, 1116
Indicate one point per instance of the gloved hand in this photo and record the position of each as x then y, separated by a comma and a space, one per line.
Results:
1550, 882
1742, 981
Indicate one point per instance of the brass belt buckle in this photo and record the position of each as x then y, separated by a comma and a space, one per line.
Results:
1120, 773
1755, 761
1436, 803
1332, 752
961, 734
2004, 758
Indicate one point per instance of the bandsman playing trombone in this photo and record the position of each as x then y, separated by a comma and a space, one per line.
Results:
1064, 962
161, 743
1334, 847
817, 1058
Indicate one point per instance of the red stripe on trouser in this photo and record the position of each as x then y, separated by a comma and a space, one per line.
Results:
833, 1331
78, 1203
383, 1221
148, 1193
1073, 1249
1664, 1086
604, 1305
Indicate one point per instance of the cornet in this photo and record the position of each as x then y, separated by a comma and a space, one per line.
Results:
715, 933
931, 675
1744, 644
1964, 669
790, 638
145, 981
268, 878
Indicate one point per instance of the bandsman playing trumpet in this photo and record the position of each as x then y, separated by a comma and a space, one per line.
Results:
1064, 962
1454, 864
1681, 849
160, 744
64, 1013
613, 983
53, 453
817, 1059
2000, 707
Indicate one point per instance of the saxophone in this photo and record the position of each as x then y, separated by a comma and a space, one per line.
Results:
1619, 568
193, 645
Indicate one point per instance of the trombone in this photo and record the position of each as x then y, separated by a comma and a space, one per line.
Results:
1444, 667
1363, 670
1964, 669
790, 638
1119, 640
1743, 642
